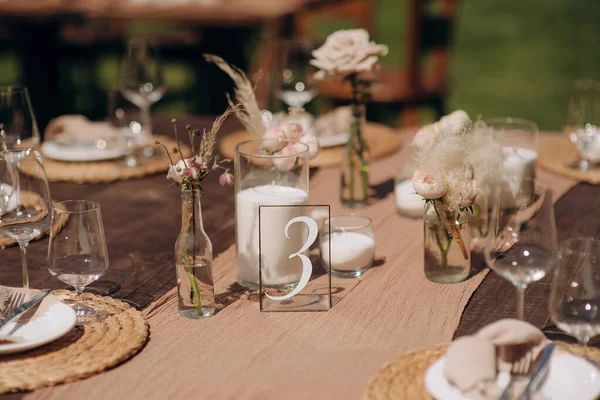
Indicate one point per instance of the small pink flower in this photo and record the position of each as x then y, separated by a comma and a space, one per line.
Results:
196, 162
284, 160
293, 131
226, 179
313, 145
189, 173
273, 139
176, 171
428, 185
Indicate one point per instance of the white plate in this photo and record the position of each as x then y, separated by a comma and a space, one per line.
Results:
58, 320
570, 377
79, 152
337, 139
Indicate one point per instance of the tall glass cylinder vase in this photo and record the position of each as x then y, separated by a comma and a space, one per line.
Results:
264, 178
355, 162
193, 258
447, 246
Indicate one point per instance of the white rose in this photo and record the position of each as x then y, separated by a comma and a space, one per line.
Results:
428, 185
346, 52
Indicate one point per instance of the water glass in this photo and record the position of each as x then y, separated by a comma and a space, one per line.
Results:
582, 124
349, 242
77, 253
575, 296
18, 126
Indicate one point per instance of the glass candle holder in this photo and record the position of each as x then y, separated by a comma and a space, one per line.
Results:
264, 178
352, 244
582, 124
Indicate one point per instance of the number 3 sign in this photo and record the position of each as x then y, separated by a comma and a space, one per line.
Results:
286, 278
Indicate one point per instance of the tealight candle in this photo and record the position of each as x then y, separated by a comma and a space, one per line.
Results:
408, 202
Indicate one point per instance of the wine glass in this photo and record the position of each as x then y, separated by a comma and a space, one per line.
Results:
295, 83
25, 205
125, 117
18, 127
142, 81
521, 236
77, 253
575, 295
582, 124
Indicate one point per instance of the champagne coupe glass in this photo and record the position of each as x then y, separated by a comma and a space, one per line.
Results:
25, 205
295, 83
77, 253
575, 295
18, 127
582, 124
521, 236
142, 81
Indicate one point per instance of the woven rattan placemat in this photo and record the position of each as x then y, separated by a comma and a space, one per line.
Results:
111, 170
560, 157
85, 351
404, 377
382, 141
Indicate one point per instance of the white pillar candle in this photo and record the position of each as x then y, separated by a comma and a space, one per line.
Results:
408, 201
278, 269
350, 251
519, 170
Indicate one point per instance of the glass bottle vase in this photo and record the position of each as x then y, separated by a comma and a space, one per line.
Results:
447, 246
193, 259
355, 162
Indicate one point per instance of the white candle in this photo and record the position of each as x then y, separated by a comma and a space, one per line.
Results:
350, 251
519, 170
408, 201
278, 269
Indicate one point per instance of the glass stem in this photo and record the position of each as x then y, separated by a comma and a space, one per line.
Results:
146, 124
23, 246
521, 303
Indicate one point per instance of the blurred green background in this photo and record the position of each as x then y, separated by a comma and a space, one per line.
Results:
510, 58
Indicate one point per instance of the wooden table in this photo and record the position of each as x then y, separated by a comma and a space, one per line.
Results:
141, 219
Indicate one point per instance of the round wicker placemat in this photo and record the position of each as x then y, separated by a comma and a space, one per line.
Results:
85, 351
560, 156
404, 378
110, 170
382, 141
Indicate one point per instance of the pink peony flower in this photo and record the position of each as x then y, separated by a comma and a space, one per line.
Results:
313, 145
284, 160
272, 139
293, 131
428, 185
226, 179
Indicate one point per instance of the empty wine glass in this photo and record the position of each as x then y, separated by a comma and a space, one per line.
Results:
582, 124
77, 253
25, 205
126, 118
142, 81
296, 86
18, 127
575, 296
521, 236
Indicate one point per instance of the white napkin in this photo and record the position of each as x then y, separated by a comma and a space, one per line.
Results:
35, 312
334, 122
77, 128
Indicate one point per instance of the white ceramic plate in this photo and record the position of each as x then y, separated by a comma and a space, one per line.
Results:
337, 139
80, 152
570, 377
58, 320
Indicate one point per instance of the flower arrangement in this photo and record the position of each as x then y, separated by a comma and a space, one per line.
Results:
444, 178
351, 56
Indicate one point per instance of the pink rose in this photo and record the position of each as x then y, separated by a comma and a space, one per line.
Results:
313, 145
283, 160
293, 130
272, 139
226, 179
428, 185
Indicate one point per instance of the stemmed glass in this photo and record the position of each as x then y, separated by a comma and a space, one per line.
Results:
582, 124
575, 296
18, 127
77, 253
295, 84
141, 79
25, 205
521, 236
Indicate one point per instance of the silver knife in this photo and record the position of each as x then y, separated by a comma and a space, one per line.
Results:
539, 372
25, 306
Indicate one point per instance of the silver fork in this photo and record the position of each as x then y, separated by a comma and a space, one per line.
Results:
15, 299
519, 369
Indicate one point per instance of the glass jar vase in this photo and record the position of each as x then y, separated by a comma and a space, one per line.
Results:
447, 245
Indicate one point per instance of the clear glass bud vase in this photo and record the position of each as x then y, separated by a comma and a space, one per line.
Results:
355, 162
193, 259
447, 256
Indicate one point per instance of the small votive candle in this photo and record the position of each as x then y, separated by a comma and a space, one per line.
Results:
352, 244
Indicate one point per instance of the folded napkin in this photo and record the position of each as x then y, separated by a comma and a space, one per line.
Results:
77, 128
473, 362
32, 314
334, 122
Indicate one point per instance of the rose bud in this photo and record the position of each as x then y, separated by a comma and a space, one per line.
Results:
226, 179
